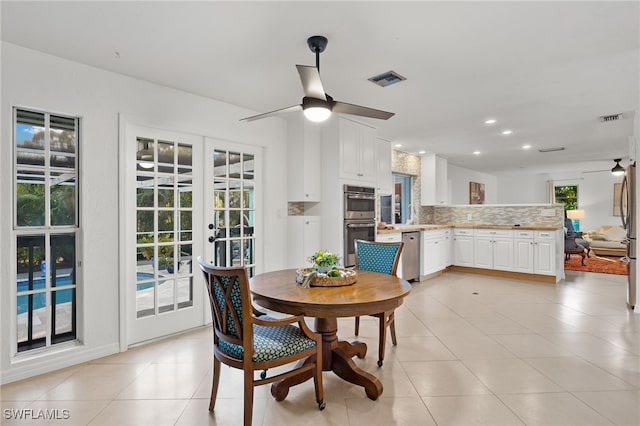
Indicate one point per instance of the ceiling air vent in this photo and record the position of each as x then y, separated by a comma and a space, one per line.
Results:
613, 117
551, 149
387, 79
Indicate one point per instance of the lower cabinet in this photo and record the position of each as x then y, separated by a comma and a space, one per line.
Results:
304, 238
544, 256
535, 252
523, 252
494, 249
436, 251
463, 247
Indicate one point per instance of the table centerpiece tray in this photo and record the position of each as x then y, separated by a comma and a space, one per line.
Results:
313, 278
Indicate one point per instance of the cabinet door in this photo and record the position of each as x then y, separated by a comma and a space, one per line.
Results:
384, 176
446, 249
503, 254
349, 150
463, 250
544, 257
429, 256
303, 239
368, 164
434, 189
441, 180
523, 255
483, 253
303, 161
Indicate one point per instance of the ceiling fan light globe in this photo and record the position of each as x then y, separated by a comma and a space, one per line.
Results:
317, 114
617, 170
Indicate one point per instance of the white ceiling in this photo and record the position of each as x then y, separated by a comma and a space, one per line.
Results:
546, 70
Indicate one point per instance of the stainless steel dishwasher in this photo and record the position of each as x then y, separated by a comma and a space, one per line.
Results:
411, 256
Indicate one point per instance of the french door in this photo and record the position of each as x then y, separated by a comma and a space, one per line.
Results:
183, 196
232, 202
163, 232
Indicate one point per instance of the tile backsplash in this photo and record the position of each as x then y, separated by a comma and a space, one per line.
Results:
549, 215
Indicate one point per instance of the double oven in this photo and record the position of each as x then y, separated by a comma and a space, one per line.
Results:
359, 219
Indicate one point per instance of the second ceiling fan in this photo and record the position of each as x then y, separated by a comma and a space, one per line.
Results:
316, 104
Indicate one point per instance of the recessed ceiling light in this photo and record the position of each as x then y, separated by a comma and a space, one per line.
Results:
476, 152
490, 121
507, 132
526, 146
422, 152
398, 145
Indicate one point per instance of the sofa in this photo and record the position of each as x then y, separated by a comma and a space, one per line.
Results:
607, 241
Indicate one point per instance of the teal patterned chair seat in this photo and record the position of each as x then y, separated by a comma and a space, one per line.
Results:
380, 257
271, 343
239, 329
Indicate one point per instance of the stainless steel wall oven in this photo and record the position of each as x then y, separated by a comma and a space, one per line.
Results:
359, 202
359, 219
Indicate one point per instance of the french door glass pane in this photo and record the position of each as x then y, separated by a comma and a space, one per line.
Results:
233, 214
165, 227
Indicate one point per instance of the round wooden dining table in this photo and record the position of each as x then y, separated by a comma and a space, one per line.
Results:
372, 293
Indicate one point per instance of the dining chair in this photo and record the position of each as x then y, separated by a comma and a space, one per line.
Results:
247, 339
379, 257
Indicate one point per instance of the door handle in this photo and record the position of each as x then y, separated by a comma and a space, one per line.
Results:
212, 239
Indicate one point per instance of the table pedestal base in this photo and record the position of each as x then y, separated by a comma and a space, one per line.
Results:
336, 357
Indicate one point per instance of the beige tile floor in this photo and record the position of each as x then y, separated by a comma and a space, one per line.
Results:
514, 353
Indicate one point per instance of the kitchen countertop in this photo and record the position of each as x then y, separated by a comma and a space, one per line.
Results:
429, 227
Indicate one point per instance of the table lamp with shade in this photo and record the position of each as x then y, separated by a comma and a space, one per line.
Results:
575, 216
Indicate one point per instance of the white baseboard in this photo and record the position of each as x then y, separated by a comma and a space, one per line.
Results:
23, 368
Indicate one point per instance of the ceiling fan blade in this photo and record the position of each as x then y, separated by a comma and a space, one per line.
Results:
271, 113
311, 83
346, 108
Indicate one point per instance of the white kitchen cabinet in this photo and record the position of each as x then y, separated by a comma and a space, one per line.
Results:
523, 252
393, 237
304, 238
535, 252
493, 249
384, 175
447, 248
435, 251
544, 261
357, 151
304, 160
463, 252
433, 186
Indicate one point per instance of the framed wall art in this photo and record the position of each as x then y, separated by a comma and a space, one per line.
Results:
476, 193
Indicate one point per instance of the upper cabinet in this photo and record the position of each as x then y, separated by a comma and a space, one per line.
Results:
384, 175
434, 180
304, 160
357, 146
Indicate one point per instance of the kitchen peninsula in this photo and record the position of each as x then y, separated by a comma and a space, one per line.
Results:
529, 247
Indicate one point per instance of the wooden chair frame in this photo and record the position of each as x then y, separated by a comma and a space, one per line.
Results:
224, 318
385, 319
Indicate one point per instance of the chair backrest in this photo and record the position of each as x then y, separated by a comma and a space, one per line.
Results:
230, 299
378, 256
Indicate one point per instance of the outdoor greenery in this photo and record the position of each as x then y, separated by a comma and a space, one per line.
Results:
567, 195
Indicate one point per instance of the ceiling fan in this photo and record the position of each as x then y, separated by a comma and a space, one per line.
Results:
316, 104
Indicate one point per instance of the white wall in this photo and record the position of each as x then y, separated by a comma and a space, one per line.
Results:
595, 196
459, 179
595, 193
523, 189
36, 80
